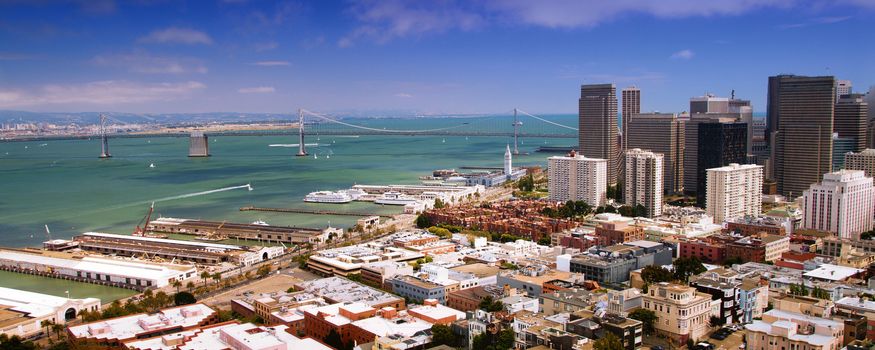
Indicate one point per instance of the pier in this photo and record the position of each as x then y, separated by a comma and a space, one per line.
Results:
312, 211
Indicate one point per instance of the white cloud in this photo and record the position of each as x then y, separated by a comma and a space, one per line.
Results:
107, 92
176, 35
384, 20
143, 62
257, 90
683, 54
403, 95
271, 63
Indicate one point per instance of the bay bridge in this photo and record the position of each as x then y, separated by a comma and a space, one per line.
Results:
515, 124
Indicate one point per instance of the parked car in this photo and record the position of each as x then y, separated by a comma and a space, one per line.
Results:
657, 347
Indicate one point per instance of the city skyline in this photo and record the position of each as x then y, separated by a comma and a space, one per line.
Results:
428, 58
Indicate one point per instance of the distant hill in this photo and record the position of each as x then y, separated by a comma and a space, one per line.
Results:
85, 118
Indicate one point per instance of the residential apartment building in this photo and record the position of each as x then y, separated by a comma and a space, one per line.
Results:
734, 191
613, 264
643, 180
792, 331
842, 203
631, 105
863, 160
681, 312
577, 178
567, 301
618, 232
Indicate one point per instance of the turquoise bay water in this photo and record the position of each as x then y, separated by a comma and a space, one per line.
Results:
64, 185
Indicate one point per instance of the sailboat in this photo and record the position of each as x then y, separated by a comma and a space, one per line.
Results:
327, 156
315, 157
151, 165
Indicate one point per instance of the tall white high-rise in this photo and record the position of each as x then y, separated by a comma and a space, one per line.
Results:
508, 162
843, 87
842, 203
575, 177
734, 191
643, 182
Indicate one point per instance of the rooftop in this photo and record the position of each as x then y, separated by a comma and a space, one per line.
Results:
116, 267
340, 289
832, 272
436, 312
130, 326
815, 339
33, 304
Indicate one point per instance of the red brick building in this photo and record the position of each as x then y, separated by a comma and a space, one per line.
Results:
319, 321
521, 218
705, 250
610, 233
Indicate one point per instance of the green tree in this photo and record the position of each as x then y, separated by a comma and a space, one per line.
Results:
438, 203
15, 343
647, 318
442, 335
715, 321
57, 328
490, 305
189, 286
334, 340
183, 298
627, 211
422, 221
177, 284
47, 324
640, 211
205, 276
820, 293
546, 240
526, 183
263, 271
686, 267
608, 342
656, 274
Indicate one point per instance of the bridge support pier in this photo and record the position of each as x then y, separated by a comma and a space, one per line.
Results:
302, 150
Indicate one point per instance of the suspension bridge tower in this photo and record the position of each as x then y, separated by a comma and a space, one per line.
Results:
302, 150
104, 143
516, 131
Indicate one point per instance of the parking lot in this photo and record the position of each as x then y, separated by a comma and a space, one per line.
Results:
732, 342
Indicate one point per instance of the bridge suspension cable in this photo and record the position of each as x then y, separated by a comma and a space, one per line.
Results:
547, 121
377, 129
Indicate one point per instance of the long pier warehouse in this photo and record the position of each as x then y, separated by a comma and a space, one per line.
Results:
278, 234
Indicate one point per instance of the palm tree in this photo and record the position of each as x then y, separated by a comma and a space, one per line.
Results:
205, 275
217, 277
189, 285
58, 328
177, 284
47, 324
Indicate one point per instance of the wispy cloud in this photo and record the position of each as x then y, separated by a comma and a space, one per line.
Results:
403, 95
143, 62
383, 20
108, 92
177, 35
816, 21
257, 90
685, 54
271, 63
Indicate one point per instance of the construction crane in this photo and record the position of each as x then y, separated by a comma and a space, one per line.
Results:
141, 231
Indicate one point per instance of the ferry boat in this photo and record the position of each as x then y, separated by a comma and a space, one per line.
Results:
328, 197
395, 198
355, 193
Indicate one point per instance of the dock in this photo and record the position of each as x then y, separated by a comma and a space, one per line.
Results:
556, 149
313, 211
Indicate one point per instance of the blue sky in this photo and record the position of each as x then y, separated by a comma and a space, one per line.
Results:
446, 56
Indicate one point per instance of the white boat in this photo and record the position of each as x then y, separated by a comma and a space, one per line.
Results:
260, 223
355, 193
395, 198
328, 197
151, 165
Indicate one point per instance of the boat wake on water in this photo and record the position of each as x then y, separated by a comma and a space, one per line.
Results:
189, 195
292, 145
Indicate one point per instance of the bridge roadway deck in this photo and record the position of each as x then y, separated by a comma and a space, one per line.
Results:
295, 133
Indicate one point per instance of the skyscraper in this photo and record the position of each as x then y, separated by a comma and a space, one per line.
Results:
631, 105
843, 87
692, 148
734, 191
709, 104
643, 182
851, 120
802, 110
661, 133
720, 144
842, 204
575, 177
598, 125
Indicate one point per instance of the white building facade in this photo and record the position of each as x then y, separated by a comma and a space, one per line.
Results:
575, 177
864, 160
734, 191
842, 203
643, 182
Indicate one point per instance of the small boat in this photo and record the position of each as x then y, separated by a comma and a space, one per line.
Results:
315, 157
151, 165
249, 187
327, 156
444, 141
260, 223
